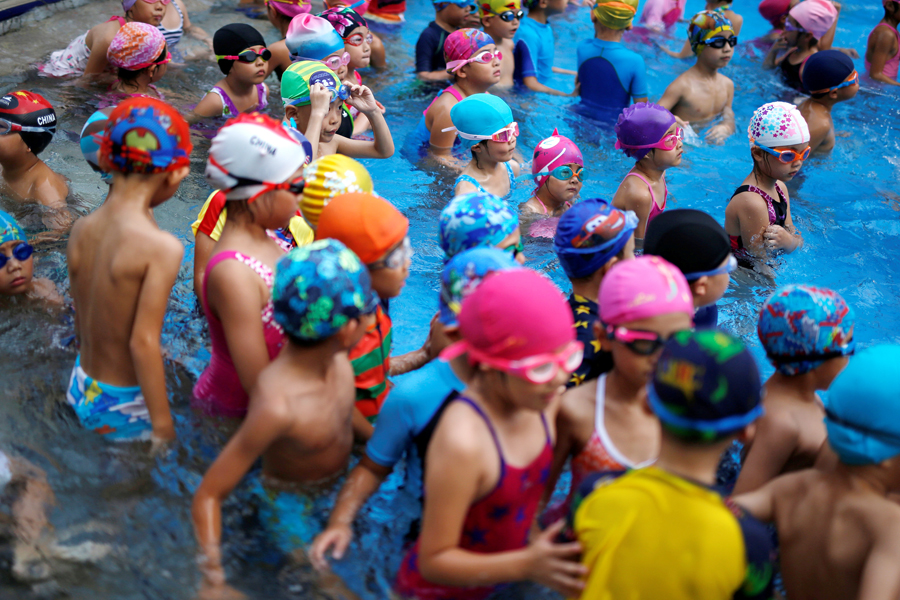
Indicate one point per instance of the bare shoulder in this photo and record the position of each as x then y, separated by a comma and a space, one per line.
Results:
632, 193
164, 244
105, 32
460, 435
578, 400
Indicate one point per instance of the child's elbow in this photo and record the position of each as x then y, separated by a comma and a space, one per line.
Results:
143, 345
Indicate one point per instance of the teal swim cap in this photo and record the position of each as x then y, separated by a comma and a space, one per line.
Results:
862, 407
10, 230
480, 115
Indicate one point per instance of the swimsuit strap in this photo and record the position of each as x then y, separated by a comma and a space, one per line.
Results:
258, 267
644, 179
490, 427
469, 179
228, 107
450, 90
546, 212
512, 177
261, 96
776, 216
121, 20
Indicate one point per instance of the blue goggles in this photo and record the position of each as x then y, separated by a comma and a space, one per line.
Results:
728, 267
342, 93
21, 253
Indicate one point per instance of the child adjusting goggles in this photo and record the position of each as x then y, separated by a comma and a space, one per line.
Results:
341, 93
21, 253
247, 56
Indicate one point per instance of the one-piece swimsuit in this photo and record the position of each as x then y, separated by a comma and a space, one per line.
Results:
228, 107
777, 214
892, 66
480, 188
655, 209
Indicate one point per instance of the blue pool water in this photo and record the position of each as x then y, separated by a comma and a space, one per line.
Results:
846, 205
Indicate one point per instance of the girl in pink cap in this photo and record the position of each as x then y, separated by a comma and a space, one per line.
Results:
140, 54
557, 168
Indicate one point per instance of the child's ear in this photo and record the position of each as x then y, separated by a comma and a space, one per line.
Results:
600, 335
175, 177
348, 334
609, 265
746, 435
700, 286
290, 111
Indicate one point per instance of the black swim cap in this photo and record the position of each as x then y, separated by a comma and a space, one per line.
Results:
234, 39
29, 109
689, 239
826, 69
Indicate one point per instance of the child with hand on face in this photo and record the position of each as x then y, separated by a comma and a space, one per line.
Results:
557, 168
500, 20
831, 78
140, 54
808, 28
485, 123
450, 16
17, 265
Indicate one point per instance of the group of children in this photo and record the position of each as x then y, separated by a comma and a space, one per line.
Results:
627, 381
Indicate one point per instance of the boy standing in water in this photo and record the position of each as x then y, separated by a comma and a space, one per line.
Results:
883, 46
534, 43
831, 78
122, 268
501, 20
449, 16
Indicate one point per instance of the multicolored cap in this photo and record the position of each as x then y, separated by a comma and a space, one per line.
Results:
136, 46
344, 20
641, 124
367, 224
90, 145
10, 230
801, 327
480, 114
555, 151
474, 220
862, 407
145, 135
778, 124
463, 44
319, 288
462, 3
642, 288
773, 10
706, 25
290, 8
327, 177
497, 7
615, 14
815, 16
30, 109
706, 386
590, 234
231, 40
300, 76
311, 37
462, 275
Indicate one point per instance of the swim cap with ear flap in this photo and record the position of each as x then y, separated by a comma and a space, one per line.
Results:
815, 16
29, 109
463, 44
145, 135
300, 76
367, 224
311, 37
641, 124
773, 10
252, 147
826, 69
706, 25
615, 14
555, 151
290, 8
487, 8
590, 234
344, 20
233, 39
480, 115
90, 146
10, 230
135, 46
327, 177
464, 273
778, 124
642, 288
473, 220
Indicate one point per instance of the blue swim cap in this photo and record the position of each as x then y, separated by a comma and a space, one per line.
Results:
463, 274
10, 230
473, 220
590, 234
862, 407
825, 69
480, 115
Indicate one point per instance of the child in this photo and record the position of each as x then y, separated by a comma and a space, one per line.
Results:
660, 15
706, 393
378, 59
807, 23
756, 222
776, 13
831, 78
558, 170
27, 124
313, 38
280, 14
701, 93
724, 7
535, 43
139, 53
262, 190
648, 133
839, 530
695, 243
242, 55
591, 238
450, 15
610, 75
299, 419
807, 334
17, 265
479, 220
119, 288
328, 177
486, 123
501, 19
883, 46
486, 465
410, 413
604, 425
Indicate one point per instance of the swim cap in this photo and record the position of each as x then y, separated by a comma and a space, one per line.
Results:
480, 114
590, 234
801, 327
90, 146
252, 147
497, 7
615, 14
778, 124
689, 239
233, 39
135, 46
327, 177
127, 4
344, 20
290, 8
555, 151
312, 37
642, 288
462, 275
641, 124
300, 76
824, 70
10, 230
474, 220
318, 288
512, 315
815, 16
462, 3
463, 44
773, 10
706, 25
861, 407
367, 224
706, 386
145, 135
29, 109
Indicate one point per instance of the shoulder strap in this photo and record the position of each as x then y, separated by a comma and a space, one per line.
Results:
644, 179
469, 179
487, 422
227, 104
121, 20
262, 96
741, 190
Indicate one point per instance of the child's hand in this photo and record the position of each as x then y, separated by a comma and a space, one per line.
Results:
681, 122
319, 100
781, 43
381, 107
362, 99
778, 238
337, 536
717, 134
556, 565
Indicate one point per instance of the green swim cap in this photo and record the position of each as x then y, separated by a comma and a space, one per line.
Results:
300, 76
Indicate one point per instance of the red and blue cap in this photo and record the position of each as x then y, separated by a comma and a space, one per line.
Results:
590, 234
144, 135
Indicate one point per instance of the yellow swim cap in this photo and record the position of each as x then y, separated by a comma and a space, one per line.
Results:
328, 177
497, 7
615, 14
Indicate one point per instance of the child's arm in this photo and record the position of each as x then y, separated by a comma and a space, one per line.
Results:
563, 449
377, 57
633, 194
718, 133
785, 238
685, 51
417, 358
772, 59
753, 220
362, 429
564, 71
880, 578
775, 440
319, 104
878, 52
441, 142
383, 146
210, 106
534, 85
101, 37
761, 503
672, 96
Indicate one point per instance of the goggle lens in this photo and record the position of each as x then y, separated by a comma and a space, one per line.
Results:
506, 135
357, 39
509, 15
566, 172
22, 252
719, 42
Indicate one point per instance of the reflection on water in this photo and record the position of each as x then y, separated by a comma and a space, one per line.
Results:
846, 205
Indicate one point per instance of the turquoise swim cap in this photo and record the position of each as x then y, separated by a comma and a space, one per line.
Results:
862, 407
10, 230
480, 115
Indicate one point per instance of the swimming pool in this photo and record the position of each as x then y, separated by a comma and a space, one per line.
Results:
846, 205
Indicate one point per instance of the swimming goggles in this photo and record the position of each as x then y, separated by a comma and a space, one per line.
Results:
507, 134
294, 186
640, 342
788, 26
854, 78
247, 56
719, 42
515, 249
356, 39
165, 2
509, 15
397, 257
6, 128
786, 156
21, 253
537, 369
485, 57
334, 62
341, 93
728, 267
667, 143
566, 172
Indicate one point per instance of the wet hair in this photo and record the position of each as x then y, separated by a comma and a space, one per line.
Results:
303, 343
128, 76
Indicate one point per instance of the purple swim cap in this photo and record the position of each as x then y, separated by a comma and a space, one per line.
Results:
641, 124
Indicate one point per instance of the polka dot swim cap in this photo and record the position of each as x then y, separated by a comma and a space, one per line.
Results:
778, 124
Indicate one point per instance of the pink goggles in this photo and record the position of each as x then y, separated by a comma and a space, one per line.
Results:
507, 134
667, 143
537, 369
128, 4
485, 57
334, 62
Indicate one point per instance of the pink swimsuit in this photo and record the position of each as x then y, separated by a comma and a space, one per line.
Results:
892, 66
655, 209
219, 390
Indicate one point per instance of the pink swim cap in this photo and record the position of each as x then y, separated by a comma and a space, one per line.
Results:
290, 8
815, 16
642, 288
773, 10
555, 151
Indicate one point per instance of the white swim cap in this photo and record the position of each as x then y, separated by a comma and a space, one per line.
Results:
778, 124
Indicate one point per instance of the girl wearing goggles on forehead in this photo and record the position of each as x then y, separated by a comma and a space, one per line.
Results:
501, 20
558, 171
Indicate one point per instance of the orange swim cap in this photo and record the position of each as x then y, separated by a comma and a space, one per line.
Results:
365, 223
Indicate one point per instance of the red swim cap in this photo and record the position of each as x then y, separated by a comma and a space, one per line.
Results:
145, 135
773, 10
29, 109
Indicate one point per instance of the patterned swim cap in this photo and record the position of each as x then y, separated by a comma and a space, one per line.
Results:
706, 25
778, 124
801, 327
473, 220
327, 177
31, 110
555, 151
318, 288
344, 20
9, 229
145, 135
590, 234
311, 38
300, 76
462, 44
290, 8
136, 46
615, 14
462, 275
497, 7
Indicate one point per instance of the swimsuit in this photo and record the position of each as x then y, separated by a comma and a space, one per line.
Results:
892, 66
791, 71
371, 360
499, 522
419, 139
219, 390
777, 215
173, 36
655, 209
119, 414
480, 188
73, 59
228, 107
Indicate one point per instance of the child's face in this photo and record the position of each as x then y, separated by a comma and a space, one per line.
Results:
157, 72
774, 168
459, 16
717, 58
532, 396
144, 12
15, 275
715, 286
360, 51
511, 244
331, 123
497, 28
669, 158
483, 73
389, 272
12, 147
565, 189
274, 209
845, 93
254, 72
342, 70
501, 151
638, 368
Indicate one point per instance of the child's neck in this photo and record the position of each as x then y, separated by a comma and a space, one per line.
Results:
764, 181
242, 224
130, 192
872, 477
498, 39
586, 288
314, 362
705, 70
606, 34
444, 24
538, 14
469, 87
893, 20
649, 170
623, 387
694, 462
141, 85
239, 86
714, 4
826, 102
497, 402
797, 386
550, 202
485, 164
19, 168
